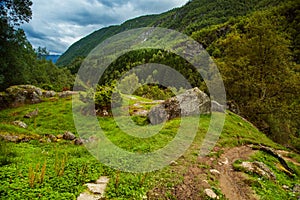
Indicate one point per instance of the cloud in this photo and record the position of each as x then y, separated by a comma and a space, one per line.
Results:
56, 24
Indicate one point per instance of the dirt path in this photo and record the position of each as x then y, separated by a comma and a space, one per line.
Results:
232, 183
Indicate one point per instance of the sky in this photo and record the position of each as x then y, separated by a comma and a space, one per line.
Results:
56, 24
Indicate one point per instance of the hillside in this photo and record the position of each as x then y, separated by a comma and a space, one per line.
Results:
194, 16
37, 165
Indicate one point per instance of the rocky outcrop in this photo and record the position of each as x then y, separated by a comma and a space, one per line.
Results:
192, 102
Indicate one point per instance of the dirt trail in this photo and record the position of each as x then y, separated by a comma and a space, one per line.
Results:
232, 183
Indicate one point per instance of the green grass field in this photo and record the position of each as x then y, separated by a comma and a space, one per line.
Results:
59, 170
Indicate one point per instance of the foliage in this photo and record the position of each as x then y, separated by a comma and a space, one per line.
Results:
194, 16
18, 60
106, 96
259, 75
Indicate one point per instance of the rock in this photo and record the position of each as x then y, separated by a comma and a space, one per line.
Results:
52, 138
210, 193
224, 161
32, 114
48, 94
88, 196
285, 187
296, 188
214, 172
102, 180
216, 107
68, 136
65, 94
192, 102
59, 136
96, 188
10, 138
78, 141
173, 163
258, 168
20, 124
21, 94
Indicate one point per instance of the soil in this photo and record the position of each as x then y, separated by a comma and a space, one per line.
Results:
197, 177
233, 183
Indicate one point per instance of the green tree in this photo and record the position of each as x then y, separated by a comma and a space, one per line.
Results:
258, 74
15, 50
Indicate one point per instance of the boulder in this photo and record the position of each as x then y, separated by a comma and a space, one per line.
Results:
192, 102
258, 168
68, 136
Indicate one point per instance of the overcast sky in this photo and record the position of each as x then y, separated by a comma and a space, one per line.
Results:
56, 24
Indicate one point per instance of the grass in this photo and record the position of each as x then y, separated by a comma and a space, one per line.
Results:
35, 170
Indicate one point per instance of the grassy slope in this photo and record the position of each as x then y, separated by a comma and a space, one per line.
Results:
77, 166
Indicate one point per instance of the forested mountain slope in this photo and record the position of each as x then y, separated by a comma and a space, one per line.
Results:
194, 16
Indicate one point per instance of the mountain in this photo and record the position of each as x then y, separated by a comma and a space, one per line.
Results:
194, 16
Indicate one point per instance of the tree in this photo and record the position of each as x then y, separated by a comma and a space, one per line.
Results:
258, 74
16, 52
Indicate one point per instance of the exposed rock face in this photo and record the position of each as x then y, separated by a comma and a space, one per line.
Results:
192, 102
258, 168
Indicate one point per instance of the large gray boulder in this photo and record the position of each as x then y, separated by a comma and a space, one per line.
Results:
192, 102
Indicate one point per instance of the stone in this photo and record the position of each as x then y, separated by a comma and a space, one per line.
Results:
173, 163
96, 188
65, 94
210, 193
20, 124
216, 107
258, 168
296, 188
59, 136
88, 196
68, 136
32, 114
78, 141
102, 180
49, 94
285, 187
224, 161
214, 172
192, 102
10, 138
52, 138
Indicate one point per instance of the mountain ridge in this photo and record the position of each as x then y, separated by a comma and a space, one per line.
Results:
184, 19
